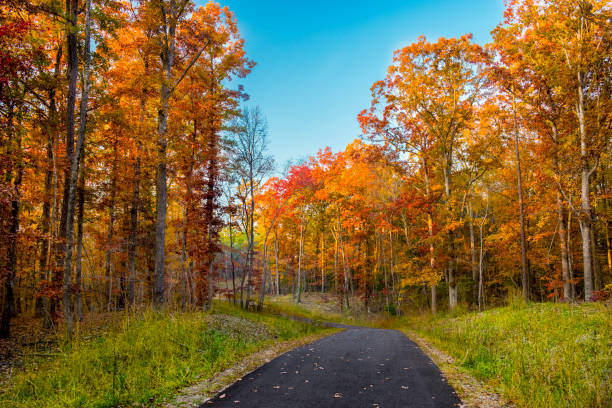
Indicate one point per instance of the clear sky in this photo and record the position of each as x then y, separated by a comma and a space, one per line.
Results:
316, 60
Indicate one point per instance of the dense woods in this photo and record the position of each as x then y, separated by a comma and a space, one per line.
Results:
131, 173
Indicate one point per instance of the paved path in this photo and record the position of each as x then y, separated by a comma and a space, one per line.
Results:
359, 367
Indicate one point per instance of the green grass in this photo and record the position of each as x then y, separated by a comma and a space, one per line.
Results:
542, 355
145, 358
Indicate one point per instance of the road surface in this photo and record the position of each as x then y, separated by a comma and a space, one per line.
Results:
358, 367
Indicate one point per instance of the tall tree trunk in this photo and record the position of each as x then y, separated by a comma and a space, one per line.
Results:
336, 237
565, 268
42, 301
524, 272
452, 282
73, 70
276, 263
161, 196
322, 263
585, 202
212, 171
473, 262
231, 237
8, 309
251, 254
432, 262
481, 259
184, 277
384, 267
480, 269
111, 229
596, 266
299, 275
185, 230
133, 234
344, 268
609, 244
74, 170
391, 268
47, 225
565, 272
569, 256
78, 295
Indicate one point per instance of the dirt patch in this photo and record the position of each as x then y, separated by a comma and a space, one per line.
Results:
473, 393
239, 327
199, 393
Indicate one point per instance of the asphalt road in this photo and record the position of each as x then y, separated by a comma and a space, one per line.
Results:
359, 367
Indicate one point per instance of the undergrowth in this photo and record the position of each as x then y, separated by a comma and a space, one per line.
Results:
145, 358
542, 355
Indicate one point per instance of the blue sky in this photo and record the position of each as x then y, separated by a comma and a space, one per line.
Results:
316, 60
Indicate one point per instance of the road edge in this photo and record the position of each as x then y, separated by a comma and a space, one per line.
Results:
203, 391
473, 393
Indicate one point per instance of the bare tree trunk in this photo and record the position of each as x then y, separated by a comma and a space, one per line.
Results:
184, 278
344, 269
524, 275
565, 269
133, 234
569, 257
322, 263
251, 253
78, 295
299, 286
276, 263
212, 173
336, 265
391, 268
111, 229
432, 262
75, 163
161, 196
609, 244
481, 258
480, 270
42, 301
73, 69
8, 309
211, 264
384, 263
596, 266
231, 236
452, 284
585, 202
42, 308
473, 262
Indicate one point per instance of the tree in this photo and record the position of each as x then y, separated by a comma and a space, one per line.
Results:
428, 97
252, 164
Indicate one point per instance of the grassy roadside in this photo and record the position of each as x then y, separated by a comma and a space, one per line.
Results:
541, 355
146, 358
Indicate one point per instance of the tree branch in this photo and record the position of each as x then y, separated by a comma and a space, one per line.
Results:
191, 63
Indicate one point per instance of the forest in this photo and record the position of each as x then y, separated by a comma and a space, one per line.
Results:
135, 172
481, 170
